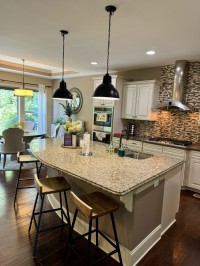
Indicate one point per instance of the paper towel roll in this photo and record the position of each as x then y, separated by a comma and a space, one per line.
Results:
86, 137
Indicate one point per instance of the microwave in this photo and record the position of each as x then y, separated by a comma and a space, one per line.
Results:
103, 119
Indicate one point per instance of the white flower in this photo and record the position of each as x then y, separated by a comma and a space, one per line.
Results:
72, 127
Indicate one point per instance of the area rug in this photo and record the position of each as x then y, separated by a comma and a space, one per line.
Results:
13, 165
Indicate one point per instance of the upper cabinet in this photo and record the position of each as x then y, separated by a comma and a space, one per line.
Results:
139, 100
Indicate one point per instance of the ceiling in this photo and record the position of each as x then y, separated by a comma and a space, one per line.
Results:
31, 30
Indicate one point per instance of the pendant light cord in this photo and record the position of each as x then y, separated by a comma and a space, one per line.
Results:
23, 73
63, 56
109, 29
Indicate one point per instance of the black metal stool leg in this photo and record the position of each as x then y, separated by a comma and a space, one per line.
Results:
67, 208
38, 227
33, 212
116, 238
17, 185
97, 230
61, 209
89, 240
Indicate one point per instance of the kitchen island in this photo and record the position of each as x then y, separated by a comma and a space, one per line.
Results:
147, 190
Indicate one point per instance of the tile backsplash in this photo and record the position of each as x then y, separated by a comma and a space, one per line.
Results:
175, 124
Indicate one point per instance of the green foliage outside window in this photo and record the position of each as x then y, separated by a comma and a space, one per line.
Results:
8, 109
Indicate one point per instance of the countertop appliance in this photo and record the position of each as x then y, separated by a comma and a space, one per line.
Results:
171, 141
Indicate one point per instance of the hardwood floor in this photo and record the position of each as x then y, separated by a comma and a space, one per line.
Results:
179, 246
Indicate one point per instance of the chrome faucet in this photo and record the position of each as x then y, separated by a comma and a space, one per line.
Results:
123, 133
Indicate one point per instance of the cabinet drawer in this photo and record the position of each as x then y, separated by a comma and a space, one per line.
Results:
134, 144
195, 154
152, 148
174, 152
117, 140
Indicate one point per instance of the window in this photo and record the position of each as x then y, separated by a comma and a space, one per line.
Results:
31, 109
8, 108
14, 109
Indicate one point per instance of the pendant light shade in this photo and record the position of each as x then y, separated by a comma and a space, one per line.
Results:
62, 93
106, 90
23, 92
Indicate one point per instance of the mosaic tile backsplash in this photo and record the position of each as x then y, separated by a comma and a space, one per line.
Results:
175, 124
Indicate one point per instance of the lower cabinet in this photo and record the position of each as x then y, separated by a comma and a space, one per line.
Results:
135, 145
194, 170
169, 151
152, 148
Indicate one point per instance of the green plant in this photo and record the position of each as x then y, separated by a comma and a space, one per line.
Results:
68, 108
59, 121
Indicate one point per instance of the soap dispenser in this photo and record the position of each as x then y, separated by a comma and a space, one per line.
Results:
111, 148
121, 151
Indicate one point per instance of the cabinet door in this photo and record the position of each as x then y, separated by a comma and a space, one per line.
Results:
194, 170
129, 101
99, 102
144, 100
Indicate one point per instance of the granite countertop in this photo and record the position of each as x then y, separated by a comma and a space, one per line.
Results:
117, 175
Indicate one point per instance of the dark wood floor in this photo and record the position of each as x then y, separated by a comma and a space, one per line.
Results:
179, 246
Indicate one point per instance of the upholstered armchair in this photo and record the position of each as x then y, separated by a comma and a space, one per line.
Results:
12, 142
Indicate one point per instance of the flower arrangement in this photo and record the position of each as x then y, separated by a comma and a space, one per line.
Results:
72, 127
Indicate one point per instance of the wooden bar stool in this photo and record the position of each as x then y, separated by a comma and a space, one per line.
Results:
93, 206
44, 187
25, 158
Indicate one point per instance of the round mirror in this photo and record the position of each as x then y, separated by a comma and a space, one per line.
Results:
77, 101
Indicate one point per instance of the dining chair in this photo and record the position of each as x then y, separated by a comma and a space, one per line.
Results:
12, 142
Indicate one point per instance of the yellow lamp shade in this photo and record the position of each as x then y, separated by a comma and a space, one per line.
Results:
23, 93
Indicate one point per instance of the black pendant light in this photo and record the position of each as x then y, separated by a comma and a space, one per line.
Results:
106, 90
62, 92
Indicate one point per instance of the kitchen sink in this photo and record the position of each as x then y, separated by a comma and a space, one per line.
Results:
138, 155
135, 154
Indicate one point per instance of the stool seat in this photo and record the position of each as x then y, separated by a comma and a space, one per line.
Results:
45, 186
21, 159
94, 204
27, 158
52, 185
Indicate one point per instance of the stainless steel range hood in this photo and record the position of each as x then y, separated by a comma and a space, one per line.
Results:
180, 79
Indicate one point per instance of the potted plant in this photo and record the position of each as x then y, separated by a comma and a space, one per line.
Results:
68, 109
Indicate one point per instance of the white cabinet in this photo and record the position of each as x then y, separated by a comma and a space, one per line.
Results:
139, 100
152, 148
179, 154
194, 170
135, 145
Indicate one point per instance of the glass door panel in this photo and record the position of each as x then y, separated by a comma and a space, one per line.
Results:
8, 109
31, 111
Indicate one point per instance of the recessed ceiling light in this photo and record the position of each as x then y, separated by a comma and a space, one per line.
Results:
93, 63
150, 52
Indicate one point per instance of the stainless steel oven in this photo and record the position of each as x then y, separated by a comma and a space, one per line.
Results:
102, 124
103, 119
